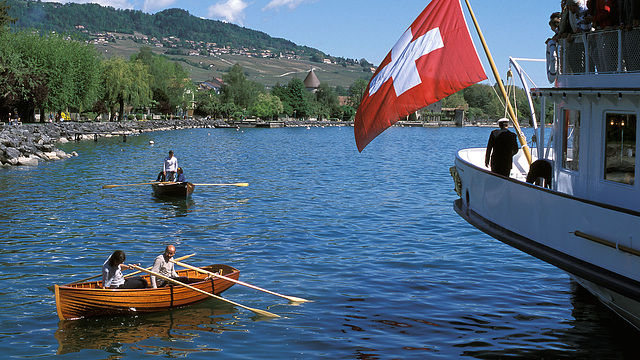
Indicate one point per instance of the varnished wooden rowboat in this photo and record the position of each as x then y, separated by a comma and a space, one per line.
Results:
87, 299
178, 189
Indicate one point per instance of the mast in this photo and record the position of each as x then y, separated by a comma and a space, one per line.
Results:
512, 114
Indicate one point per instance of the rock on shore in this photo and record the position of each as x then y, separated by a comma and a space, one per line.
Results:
30, 144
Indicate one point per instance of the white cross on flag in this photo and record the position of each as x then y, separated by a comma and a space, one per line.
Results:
433, 59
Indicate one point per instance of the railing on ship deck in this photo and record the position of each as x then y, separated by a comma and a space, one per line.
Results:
600, 52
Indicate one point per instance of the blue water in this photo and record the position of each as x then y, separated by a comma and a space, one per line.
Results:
371, 238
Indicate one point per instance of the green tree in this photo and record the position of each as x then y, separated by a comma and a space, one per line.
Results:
281, 92
208, 103
328, 101
169, 82
5, 19
57, 73
238, 90
298, 100
267, 106
455, 100
356, 92
125, 83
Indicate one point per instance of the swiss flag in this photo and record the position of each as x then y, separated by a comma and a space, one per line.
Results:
432, 60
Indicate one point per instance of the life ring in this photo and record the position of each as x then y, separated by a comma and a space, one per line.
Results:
552, 60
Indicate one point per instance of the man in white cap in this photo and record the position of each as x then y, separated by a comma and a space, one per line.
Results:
502, 145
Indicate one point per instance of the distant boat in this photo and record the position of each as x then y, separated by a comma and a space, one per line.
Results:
88, 299
584, 217
178, 189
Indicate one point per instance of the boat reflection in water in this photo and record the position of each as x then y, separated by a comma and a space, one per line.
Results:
178, 207
113, 332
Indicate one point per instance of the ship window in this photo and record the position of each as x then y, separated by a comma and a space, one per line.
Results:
571, 137
620, 148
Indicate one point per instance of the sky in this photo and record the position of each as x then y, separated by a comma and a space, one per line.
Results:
368, 29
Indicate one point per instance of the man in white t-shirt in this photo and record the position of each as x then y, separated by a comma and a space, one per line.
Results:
170, 167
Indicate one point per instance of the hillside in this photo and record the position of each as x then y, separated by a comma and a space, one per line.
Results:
207, 48
267, 71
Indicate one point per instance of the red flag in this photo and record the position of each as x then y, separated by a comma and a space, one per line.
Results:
432, 60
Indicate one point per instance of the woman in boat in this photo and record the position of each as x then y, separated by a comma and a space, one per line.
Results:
112, 277
180, 177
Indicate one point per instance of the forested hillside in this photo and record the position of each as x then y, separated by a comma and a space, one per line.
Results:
171, 22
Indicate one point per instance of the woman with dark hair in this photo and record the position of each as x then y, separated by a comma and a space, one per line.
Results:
112, 277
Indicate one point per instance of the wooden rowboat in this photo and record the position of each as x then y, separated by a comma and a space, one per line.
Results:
178, 189
75, 301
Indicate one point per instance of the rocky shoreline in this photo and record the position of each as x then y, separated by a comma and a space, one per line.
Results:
30, 144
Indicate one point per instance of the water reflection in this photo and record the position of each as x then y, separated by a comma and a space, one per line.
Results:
589, 317
177, 207
113, 332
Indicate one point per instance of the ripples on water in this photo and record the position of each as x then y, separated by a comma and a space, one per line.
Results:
371, 238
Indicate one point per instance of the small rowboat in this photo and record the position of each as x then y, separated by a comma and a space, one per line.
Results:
88, 299
178, 189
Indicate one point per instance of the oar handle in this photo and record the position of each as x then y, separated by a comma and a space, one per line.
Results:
174, 281
290, 298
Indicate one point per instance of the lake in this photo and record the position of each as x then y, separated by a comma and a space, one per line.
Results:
371, 238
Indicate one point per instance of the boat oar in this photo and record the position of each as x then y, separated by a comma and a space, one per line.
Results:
290, 298
174, 281
133, 273
234, 184
147, 183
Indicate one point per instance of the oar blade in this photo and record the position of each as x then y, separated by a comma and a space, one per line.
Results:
264, 313
295, 300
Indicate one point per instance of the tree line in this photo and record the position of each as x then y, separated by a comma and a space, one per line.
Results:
53, 73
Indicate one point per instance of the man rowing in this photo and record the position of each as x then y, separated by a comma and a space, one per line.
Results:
163, 265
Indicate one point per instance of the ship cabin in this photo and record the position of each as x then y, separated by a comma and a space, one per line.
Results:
596, 98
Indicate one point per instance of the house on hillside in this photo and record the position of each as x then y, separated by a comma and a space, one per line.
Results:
311, 82
213, 84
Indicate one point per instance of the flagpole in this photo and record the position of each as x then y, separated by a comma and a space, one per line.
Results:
514, 118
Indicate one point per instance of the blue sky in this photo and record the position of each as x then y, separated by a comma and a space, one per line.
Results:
368, 29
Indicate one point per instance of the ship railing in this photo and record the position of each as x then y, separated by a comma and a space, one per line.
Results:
600, 52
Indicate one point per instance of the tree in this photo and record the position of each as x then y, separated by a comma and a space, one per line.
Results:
54, 72
356, 92
455, 100
169, 82
281, 92
208, 103
5, 19
125, 83
238, 90
267, 106
328, 101
297, 94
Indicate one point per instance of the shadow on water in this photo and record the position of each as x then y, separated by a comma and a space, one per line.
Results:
592, 324
112, 333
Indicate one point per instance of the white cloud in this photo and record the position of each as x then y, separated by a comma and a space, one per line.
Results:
118, 4
277, 4
231, 11
150, 6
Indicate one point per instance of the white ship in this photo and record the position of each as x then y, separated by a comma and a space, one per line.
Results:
584, 217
